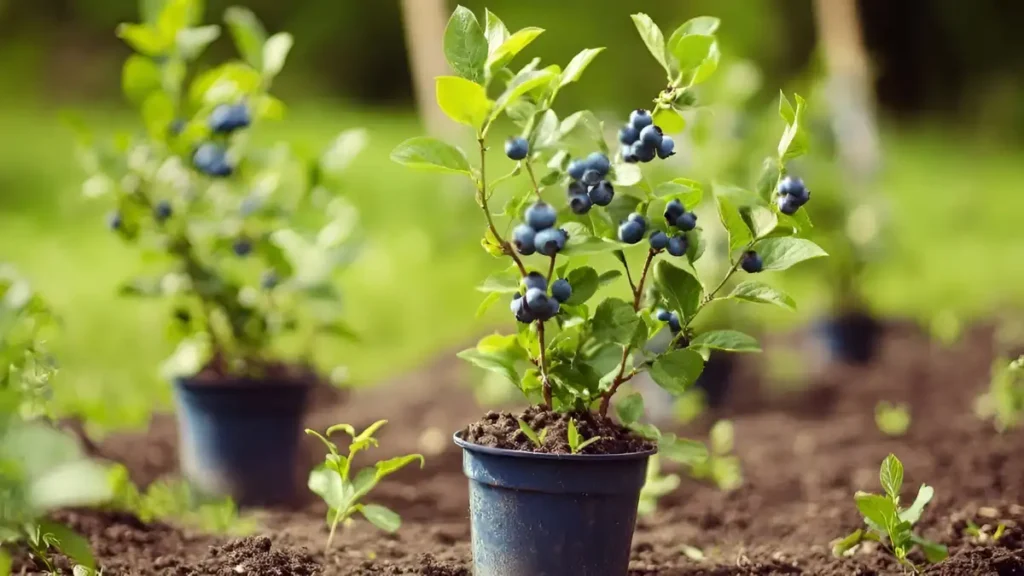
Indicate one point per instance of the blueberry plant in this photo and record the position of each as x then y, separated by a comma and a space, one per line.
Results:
343, 491
233, 233
571, 353
889, 524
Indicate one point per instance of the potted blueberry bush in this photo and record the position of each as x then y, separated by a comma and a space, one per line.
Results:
554, 490
242, 241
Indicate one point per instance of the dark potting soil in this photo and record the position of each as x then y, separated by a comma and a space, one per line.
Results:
803, 455
217, 373
502, 430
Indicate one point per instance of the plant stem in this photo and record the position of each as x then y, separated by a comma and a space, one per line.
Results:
622, 377
334, 527
710, 296
543, 364
629, 277
482, 192
551, 269
533, 179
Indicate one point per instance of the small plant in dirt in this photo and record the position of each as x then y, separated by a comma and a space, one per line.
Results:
572, 352
889, 524
242, 240
343, 491
656, 486
1003, 403
721, 467
892, 419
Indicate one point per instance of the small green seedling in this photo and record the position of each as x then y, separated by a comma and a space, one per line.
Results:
889, 524
576, 442
656, 485
1003, 403
980, 534
720, 466
342, 491
536, 437
892, 419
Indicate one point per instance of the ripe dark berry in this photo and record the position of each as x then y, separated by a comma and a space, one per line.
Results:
591, 177
535, 280
242, 247
791, 186
663, 315
114, 221
520, 310
580, 204
602, 194
598, 161
536, 300
667, 147
788, 205
553, 308
677, 246
226, 118
640, 119
686, 221
522, 238
517, 148
269, 280
211, 159
550, 242
629, 154
673, 323
643, 153
639, 218
575, 188
632, 231
751, 262
674, 209
162, 210
651, 136
576, 169
628, 134
561, 290
658, 240
540, 216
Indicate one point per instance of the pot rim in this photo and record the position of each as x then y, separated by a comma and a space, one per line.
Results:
472, 447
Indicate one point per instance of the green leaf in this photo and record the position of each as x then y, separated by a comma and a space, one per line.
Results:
891, 476
496, 31
497, 354
677, 370
574, 69
465, 46
530, 433
786, 109
140, 77
70, 543
615, 321
732, 220
249, 34
708, 67
580, 245
682, 450
653, 38
794, 139
728, 340
75, 483
573, 436
682, 291
520, 85
327, 484
630, 409
722, 437
877, 509
782, 253
669, 120
431, 154
691, 50
760, 220
157, 113
505, 282
844, 545
933, 551
191, 42
275, 52
698, 25
689, 192
913, 514
759, 292
584, 282
463, 101
381, 517
5, 563
144, 39
392, 465
512, 46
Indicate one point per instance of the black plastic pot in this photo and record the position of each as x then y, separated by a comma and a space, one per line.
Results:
852, 338
551, 514
715, 378
240, 437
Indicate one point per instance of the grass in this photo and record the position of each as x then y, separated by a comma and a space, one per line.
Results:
955, 238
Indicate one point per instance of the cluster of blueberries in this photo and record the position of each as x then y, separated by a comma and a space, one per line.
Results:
535, 303
791, 195
210, 158
671, 318
641, 140
633, 229
589, 186
538, 233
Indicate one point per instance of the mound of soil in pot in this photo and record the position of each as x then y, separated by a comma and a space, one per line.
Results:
502, 430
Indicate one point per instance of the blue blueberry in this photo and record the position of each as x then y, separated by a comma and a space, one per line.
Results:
561, 290
212, 160
677, 246
674, 209
580, 204
242, 247
517, 148
536, 300
522, 313
663, 315
667, 147
591, 177
673, 323
602, 194
540, 216
790, 186
269, 280
598, 161
628, 134
631, 232
576, 169
162, 211
115, 221
576, 188
640, 119
553, 308
522, 238
788, 205
638, 218
751, 262
550, 242
686, 221
535, 280
629, 154
227, 118
643, 153
651, 136
658, 240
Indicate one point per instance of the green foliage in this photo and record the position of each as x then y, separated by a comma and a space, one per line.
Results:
720, 467
892, 419
889, 524
579, 358
1003, 403
536, 437
26, 321
576, 442
344, 491
656, 485
196, 222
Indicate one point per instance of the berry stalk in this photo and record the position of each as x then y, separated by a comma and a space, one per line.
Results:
482, 197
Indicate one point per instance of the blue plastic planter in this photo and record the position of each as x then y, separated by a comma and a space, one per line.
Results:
852, 338
240, 438
550, 514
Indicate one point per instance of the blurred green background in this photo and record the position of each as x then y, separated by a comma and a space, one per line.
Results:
951, 111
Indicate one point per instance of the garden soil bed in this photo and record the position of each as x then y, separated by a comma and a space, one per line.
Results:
804, 454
